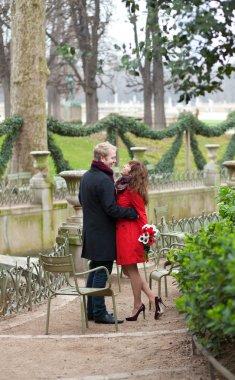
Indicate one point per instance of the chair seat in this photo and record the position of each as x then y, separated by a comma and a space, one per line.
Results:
158, 273
71, 290
95, 291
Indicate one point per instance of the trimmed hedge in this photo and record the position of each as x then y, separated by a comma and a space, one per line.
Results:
118, 126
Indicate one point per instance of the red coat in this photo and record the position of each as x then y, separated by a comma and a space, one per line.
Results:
129, 249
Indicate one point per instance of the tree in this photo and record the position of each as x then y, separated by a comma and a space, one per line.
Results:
197, 43
28, 79
200, 52
56, 84
81, 46
148, 63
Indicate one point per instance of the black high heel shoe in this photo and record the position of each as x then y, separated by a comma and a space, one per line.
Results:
158, 307
135, 317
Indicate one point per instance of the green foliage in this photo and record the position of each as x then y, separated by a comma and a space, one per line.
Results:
132, 5
226, 203
168, 160
122, 127
231, 115
60, 163
196, 39
67, 52
206, 277
11, 128
229, 153
207, 281
198, 157
202, 68
117, 125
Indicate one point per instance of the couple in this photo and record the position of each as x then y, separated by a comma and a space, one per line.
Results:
112, 223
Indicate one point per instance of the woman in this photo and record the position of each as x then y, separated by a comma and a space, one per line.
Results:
132, 192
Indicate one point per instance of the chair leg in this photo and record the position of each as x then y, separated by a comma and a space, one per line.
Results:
165, 280
159, 287
118, 277
48, 313
115, 312
83, 318
145, 272
150, 285
85, 310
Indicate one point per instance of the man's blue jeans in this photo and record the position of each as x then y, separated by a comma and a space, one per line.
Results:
96, 307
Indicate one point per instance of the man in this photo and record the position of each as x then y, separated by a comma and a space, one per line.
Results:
97, 197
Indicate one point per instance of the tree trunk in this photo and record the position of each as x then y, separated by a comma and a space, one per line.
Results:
158, 89
28, 80
88, 33
147, 93
158, 74
91, 107
4, 74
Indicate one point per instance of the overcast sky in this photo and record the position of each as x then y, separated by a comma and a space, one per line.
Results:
120, 29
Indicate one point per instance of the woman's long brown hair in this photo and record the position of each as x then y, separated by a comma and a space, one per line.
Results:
139, 179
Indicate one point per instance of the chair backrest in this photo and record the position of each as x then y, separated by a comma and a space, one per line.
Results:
57, 264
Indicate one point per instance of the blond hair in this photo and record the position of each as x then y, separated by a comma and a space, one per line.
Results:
102, 150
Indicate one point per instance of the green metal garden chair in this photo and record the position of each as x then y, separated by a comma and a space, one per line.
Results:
168, 269
64, 265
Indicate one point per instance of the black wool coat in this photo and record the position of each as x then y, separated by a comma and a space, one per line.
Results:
100, 211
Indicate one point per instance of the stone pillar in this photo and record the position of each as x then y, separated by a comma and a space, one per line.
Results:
40, 183
73, 224
230, 165
72, 111
138, 152
211, 173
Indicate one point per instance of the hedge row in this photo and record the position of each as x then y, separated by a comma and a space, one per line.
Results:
118, 126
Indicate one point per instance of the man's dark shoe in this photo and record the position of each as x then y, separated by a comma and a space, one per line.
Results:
91, 318
107, 319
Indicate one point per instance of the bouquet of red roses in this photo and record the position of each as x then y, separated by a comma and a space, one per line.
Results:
148, 237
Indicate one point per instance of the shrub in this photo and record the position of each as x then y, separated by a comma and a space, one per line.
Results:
226, 198
207, 282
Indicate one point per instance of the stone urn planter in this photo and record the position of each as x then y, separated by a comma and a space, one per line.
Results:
138, 152
212, 151
230, 165
72, 179
73, 224
211, 172
40, 162
40, 182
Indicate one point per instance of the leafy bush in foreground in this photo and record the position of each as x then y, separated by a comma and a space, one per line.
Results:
207, 282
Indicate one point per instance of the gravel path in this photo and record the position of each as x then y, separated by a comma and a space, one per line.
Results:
146, 349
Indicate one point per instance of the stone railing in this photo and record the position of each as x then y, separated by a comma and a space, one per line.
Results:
167, 181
